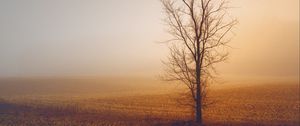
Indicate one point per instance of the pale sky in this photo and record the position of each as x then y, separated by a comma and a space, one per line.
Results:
120, 37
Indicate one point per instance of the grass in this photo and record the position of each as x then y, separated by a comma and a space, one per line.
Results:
259, 104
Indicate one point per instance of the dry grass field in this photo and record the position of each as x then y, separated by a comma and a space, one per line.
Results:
266, 104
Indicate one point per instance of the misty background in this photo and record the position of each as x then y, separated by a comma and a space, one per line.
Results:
121, 38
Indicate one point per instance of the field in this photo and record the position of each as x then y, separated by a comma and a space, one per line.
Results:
84, 103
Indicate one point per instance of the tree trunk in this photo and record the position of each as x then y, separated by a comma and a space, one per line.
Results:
198, 114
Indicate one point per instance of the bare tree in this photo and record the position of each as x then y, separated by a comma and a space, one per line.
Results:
198, 28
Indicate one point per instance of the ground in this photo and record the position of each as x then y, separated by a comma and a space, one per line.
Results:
235, 104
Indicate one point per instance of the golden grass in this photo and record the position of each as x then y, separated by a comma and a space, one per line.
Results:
267, 104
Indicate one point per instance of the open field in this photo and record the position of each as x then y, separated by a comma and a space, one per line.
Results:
114, 105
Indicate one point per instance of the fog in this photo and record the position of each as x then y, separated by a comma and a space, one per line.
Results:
120, 38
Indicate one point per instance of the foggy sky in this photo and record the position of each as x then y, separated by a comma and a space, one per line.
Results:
120, 37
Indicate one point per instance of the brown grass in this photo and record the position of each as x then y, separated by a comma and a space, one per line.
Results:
267, 104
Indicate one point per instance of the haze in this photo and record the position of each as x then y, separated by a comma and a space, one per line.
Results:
117, 37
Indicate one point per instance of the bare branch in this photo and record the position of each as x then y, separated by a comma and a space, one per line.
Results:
200, 31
